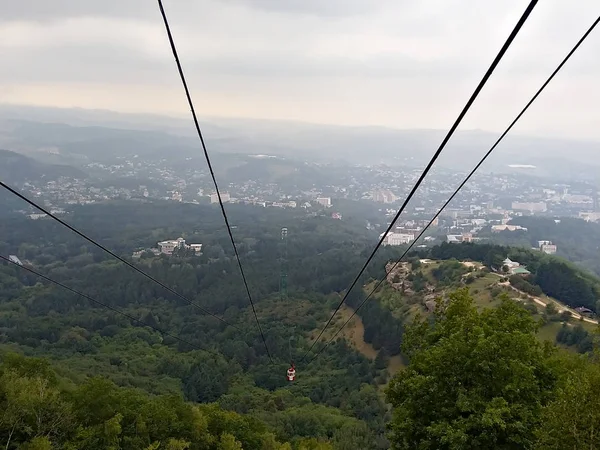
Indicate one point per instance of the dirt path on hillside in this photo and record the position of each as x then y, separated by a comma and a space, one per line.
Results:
475, 265
559, 307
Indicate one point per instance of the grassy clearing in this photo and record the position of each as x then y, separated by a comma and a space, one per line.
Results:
480, 289
548, 331
354, 333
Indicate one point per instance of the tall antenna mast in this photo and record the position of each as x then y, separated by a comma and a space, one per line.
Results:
283, 252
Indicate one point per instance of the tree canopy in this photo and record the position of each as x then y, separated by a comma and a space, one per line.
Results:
475, 380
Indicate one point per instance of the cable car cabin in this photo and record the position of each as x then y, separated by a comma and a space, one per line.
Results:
291, 373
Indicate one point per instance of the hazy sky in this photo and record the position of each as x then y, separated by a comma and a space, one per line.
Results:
399, 63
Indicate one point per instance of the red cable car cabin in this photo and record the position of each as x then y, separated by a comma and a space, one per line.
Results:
291, 373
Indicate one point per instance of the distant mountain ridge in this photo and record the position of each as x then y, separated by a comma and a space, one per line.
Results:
88, 135
18, 168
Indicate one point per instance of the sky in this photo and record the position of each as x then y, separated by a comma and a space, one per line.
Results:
395, 63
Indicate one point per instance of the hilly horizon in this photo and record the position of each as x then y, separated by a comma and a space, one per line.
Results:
18, 168
95, 131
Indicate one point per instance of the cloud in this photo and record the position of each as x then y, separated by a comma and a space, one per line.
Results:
391, 62
329, 8
43, 11
48, 11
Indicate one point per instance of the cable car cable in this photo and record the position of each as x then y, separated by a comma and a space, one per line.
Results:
114, 255
112, 308
457, 122
212, 173
290, 348
489, 152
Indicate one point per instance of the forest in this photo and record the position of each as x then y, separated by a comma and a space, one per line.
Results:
42, 411
481, 379
79, 338
76, 375
476, 379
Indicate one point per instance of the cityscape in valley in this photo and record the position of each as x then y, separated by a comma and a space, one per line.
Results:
489, 203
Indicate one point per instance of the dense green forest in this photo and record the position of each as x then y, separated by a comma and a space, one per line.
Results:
42, 411
475, 380
337, 391
110, 382
483, 380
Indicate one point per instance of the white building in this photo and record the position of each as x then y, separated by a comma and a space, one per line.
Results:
290, 204
515, 268
325, 201
530, 206
167, 247
225, 197
510, 264
196, 247
547, 247
506, 227
383, 196
458, 213
397, 238
577, 198
15, 259
590, 216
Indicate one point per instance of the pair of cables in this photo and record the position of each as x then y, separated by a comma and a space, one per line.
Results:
467, 178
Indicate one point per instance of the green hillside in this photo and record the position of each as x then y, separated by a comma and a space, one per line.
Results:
415, 289
17, 168
336, 393
217, 388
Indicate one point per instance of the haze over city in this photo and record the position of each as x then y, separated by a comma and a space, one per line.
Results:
391, 63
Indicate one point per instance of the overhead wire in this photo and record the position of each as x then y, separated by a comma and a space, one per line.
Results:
111, 308
468, 177
455, 125
212, 173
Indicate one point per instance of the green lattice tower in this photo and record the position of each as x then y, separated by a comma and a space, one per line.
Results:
283, 264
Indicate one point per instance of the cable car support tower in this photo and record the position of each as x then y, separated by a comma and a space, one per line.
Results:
283, 264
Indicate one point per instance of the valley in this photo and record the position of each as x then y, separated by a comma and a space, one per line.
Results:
344, 388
